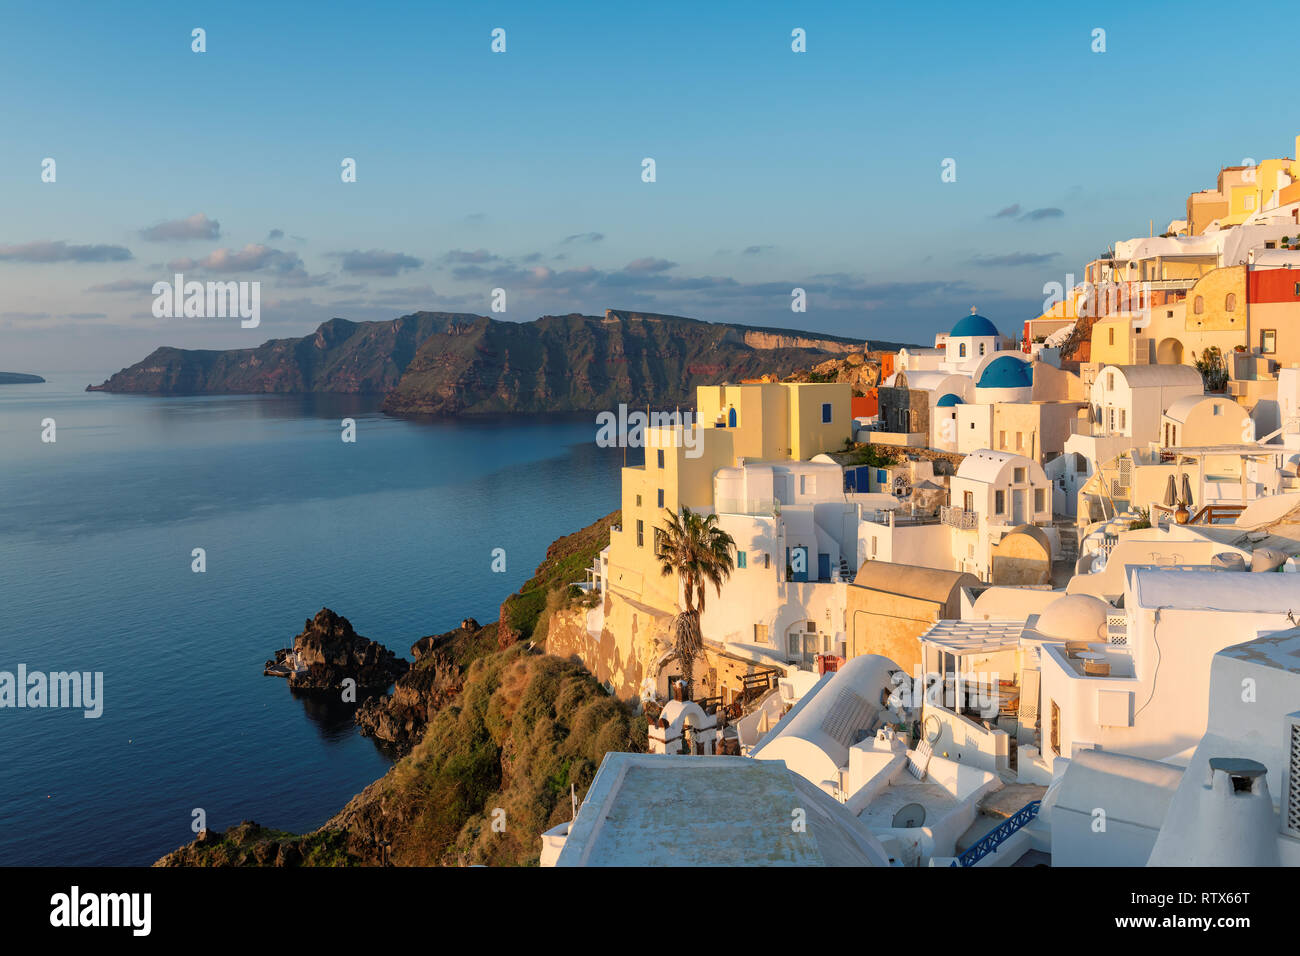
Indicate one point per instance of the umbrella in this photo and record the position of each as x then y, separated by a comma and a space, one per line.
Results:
1187, 490
1171, 492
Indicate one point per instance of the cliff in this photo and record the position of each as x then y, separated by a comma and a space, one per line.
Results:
329, 651
484, 729
441, 363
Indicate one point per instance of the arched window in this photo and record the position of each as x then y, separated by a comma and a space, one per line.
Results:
1198, 304
1230, 302
961, 350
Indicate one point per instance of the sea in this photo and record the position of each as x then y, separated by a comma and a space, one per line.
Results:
99, 528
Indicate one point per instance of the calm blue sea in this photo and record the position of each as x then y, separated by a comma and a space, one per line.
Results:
395, 532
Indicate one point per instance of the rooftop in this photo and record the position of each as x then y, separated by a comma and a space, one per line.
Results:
1211, 590
657, 810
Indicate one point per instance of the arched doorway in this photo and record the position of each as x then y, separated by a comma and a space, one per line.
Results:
1169, 352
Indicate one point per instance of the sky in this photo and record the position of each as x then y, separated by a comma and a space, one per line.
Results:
523, 170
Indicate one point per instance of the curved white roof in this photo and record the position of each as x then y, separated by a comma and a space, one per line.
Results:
815, 737
1141, 376
1183, 407
986, 465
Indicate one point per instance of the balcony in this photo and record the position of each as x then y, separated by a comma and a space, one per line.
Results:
959, 518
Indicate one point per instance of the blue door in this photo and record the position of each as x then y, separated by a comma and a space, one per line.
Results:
823, 566
731, 418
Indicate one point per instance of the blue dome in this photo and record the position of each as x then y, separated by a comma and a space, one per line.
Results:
948, 401
971, 326
1007, 371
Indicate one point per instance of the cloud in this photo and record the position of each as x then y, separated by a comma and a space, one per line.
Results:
375, 262
583, 237
84, 315
1050, 212
24, 316
1013, 259
123, 285
1009, 212
275, 234
197, 226
254, 257
43, 250
755, 250
649, 264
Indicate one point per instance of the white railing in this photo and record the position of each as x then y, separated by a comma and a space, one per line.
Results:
959, 518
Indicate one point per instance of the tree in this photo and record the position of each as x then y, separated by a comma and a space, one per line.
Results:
693, 547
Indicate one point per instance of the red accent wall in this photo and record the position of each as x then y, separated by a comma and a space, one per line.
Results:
1272, 285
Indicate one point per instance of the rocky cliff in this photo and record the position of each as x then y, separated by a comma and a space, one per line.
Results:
440, 363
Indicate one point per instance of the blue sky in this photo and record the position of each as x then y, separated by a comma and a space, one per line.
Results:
522, 170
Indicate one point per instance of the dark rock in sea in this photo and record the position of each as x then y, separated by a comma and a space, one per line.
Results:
328, 651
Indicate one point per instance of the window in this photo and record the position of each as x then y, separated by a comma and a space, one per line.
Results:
1018, 475
999, 502
1198, 304
1218, 409
1056, 729
1111, 336
873, 545
826, 413
659, 542
1039, 498
1268, 341
767, 560
1230, 302
1002, 439
1080, 463
638, 501
640, 533
661, 457
1110, 381
740, 559
1020, 440
1123, 418
810, 627
1297, 288
661, 497
961, 350
760, 634
967, 501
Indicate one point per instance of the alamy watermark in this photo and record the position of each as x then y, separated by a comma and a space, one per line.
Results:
211, 300
82, 690
639, 429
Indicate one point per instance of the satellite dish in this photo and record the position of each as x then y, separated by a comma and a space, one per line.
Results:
909, 817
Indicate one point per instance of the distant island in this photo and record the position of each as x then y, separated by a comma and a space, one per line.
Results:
449, 363
19, 378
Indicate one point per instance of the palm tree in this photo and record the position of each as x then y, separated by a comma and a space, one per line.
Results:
692, 546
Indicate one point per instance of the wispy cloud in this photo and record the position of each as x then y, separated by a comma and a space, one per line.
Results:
1010, 212
583, 237
1049, 212
1012, 259
123, 285
197, 226
43, 250
375, 262
755, 250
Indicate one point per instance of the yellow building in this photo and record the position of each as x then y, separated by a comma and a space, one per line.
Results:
1243, 191
777, 421
759, 421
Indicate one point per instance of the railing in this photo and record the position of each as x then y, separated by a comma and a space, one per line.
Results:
990, 842
748, 506
959, 518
